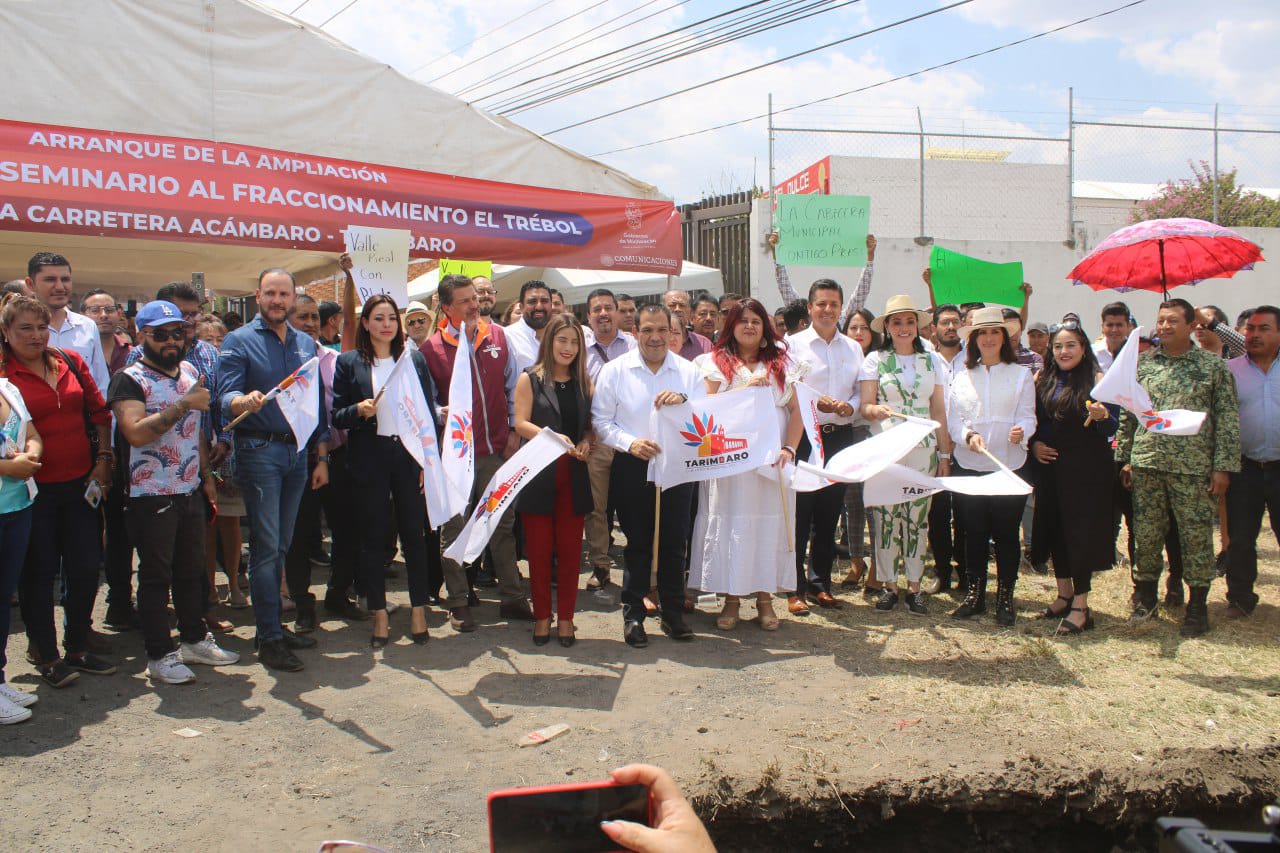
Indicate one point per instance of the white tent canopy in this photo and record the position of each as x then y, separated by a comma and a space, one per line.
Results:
235, 71
574, 285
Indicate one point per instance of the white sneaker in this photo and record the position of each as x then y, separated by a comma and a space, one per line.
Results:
11, 713
170, 669
207, 651
17, 697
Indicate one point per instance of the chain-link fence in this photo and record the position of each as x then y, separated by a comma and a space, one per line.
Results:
969, 175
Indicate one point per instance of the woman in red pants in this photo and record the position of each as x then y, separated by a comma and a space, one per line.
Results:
555, 392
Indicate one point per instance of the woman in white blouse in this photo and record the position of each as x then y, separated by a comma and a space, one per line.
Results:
991, 414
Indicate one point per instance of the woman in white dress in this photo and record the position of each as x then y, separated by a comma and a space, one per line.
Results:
745, 547
901, 377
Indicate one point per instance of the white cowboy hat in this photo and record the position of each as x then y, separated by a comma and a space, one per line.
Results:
900, 304
989, 318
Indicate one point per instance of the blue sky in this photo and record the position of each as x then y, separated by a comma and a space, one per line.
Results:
1163, 62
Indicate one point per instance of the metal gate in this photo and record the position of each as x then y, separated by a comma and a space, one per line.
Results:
717, 233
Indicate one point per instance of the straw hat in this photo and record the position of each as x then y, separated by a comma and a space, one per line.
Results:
900, 304
415, 308
988, 318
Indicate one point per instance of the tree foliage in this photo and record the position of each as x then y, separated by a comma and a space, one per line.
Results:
1193, 197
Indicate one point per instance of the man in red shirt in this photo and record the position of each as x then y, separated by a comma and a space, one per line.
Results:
493, 376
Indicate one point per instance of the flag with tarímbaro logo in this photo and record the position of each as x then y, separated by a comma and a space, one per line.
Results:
715, 436
405, 412
499, 495
459, 448
298, 396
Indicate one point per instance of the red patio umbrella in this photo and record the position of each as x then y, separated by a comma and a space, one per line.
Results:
1162, 253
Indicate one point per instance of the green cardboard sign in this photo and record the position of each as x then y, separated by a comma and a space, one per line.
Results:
823, 230
471, 269
959, 278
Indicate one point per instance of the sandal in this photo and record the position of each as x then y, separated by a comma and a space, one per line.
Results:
728, 618
768, 619
1050, 613
1066, 628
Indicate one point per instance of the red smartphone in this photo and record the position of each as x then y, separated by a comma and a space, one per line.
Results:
563, 818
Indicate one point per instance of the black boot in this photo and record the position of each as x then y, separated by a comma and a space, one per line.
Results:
305, 620
1144, 599
1196, 621
975, 598
1004, 604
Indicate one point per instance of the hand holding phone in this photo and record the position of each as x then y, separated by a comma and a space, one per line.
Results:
564, 818
676, 828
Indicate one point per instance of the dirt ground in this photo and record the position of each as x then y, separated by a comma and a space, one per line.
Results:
849, 729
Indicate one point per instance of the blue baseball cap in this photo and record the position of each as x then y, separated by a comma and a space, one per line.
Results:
158, 313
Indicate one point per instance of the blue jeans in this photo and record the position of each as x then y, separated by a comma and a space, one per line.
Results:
271, 476
15, 528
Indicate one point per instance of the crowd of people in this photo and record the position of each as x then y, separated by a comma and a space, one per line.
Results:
155, 433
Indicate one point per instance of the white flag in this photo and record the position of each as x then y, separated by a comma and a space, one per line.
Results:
862, 461
807, 399
1120, 385
898, 484
501, 492
459, 447
403, 410
298, 396
795, 477
715, 436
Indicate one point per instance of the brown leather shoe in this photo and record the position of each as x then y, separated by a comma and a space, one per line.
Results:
519, 610
825, 599
460, 619
796, 606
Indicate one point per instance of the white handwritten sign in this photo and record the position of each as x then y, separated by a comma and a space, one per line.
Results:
380, 262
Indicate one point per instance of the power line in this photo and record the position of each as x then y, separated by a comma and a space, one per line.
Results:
692, 29
514, 68
453, 52
877, 85
788, 58
336, 14
553, 24
581, 82
299, 6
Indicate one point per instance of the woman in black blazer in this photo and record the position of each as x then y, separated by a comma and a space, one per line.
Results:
556, 393
380, 467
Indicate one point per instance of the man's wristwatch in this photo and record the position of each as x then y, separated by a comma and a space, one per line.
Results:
323, 457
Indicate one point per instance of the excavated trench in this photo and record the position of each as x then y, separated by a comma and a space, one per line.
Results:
1028, 808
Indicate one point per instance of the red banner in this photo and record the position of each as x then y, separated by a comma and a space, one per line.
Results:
65, 180
809, 180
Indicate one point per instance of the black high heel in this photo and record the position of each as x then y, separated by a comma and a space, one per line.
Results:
420, 637
379, 642
1070, 629
1050, 613
542, 639
568, 641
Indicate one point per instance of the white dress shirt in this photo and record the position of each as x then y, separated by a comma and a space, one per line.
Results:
991, 401
834, 369
625, 392
598, 354
1103, 355
524, 344
79, 333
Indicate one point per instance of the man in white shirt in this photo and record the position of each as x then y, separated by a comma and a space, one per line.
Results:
49, 278
1117, 323
525, 335
834, 362
629, 388
604, 344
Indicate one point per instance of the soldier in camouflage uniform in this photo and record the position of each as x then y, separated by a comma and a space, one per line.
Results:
1182, 474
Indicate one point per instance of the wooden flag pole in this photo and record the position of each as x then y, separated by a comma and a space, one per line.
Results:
657, 519
786, 513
